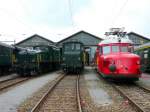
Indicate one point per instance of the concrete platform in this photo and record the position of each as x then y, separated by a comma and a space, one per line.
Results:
145, 80
98, 95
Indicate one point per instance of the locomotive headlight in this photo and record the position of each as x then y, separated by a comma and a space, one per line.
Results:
138, 62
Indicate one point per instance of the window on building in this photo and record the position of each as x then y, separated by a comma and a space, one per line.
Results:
78, 46
69, 47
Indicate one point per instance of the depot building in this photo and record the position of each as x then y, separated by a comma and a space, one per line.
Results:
89, 40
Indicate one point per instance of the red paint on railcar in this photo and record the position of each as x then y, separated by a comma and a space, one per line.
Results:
114, 59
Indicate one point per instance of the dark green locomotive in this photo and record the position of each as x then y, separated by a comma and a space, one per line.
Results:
6, 58
72, 57
43, 58
144, 52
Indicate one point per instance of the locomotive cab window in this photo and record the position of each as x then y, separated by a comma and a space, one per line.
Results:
71, 47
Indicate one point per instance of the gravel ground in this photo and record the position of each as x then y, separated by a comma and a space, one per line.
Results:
63, 97
138, 95
10, 100
112, 101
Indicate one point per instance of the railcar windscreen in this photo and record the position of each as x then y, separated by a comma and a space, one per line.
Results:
124, 49
115, 48
106, 50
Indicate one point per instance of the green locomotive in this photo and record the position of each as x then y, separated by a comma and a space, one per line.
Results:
72, 57
144, 52
6, 58
43, 58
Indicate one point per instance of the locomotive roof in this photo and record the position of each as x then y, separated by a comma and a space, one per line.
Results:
115, 39
72, 42
24, 51
52, 46
47, 45
6, 45
147, 45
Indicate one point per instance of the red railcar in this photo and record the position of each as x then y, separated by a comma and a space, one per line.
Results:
114, 58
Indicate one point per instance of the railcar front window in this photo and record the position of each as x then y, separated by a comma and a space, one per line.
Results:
106, 49
115, 48
124, 49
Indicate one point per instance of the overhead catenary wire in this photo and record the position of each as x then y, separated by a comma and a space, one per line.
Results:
12, 15
6, 12
71, 12
119, 13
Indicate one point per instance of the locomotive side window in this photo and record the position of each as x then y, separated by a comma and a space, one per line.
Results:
115, 48
106, 50
146, 54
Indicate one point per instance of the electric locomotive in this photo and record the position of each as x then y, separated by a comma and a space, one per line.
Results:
144, 52
6, 58
115, 58
40, 59
72, 56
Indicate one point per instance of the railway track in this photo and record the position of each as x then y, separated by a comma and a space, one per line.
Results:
11, 82
62, 96
138, 96
4, 84
143, 87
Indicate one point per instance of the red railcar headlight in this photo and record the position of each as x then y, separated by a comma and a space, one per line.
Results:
138, 62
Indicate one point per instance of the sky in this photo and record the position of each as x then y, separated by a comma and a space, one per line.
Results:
58, 19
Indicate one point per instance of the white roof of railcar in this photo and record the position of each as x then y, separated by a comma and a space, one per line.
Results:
115, 39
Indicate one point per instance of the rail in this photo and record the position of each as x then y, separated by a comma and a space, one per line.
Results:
36, 108
78, 95
11, 82
140, 109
